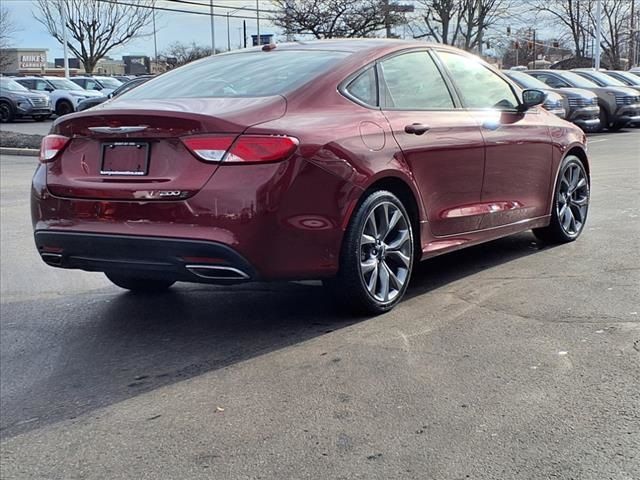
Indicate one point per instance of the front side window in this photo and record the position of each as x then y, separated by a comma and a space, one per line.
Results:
478, 85
42, 85
11, 85
413, 82
365, 88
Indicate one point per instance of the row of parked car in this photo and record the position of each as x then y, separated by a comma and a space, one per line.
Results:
40, 97
593, 100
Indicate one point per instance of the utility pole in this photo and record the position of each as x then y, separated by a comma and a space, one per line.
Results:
598, 32
258, 20
395, 8
155, 42
228, 34
535, 55
213, 29
63, 14
632, 37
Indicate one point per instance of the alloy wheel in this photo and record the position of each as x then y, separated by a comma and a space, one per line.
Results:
386, 252
573, 199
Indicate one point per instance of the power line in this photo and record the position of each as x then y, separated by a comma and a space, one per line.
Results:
175, 10
228, 7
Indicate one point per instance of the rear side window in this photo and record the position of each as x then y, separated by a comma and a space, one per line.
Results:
365, 87
479, 86
253, 74
413, 82
550, 80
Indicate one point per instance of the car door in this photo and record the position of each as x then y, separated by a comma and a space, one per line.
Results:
441, 143
518, 158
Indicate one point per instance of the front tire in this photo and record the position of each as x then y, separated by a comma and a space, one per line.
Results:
570, 203
377, 256
139, 284
6, 112
63, 107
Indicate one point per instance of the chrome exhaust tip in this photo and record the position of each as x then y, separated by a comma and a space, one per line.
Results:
217, 272
54, 259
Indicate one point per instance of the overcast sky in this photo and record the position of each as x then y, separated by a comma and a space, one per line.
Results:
171, 27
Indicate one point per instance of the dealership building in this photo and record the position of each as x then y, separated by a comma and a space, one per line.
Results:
34, 61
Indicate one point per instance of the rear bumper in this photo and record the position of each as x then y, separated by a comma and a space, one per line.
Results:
147, 257
279, 221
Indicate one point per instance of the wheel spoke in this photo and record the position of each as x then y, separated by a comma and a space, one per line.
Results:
383, 279
395, 281
367, 239
567, 219
383, 228
399, 256
581, 201
395, 218
371, 222
373, 281
399, 242
581, 183
368, 265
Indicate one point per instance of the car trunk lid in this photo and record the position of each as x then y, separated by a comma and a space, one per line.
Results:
128, 150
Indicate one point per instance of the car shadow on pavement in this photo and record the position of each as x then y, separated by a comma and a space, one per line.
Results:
116, 345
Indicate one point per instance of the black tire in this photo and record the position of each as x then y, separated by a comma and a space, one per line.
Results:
7, 114
617, 126
556, 231
604, 119
139, 284
349, 286
63, 107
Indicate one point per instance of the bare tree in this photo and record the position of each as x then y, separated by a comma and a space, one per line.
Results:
441, 20
94, 27
184, 53
574, 15
461, 22
333, 18
615, 30
8, 29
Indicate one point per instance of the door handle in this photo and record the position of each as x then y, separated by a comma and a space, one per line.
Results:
416, 128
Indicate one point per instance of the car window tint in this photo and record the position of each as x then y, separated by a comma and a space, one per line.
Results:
250, 74
551, 80
479, 86
413, 82
90, 85
41, 85
365, 88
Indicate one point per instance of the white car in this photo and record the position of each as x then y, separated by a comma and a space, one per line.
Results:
104, 85
63, 93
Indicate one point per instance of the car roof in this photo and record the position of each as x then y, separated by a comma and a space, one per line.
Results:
352, 45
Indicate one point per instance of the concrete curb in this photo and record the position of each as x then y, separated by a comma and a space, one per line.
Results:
26, 152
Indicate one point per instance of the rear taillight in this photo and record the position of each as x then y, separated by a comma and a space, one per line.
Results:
51, 146
243, 149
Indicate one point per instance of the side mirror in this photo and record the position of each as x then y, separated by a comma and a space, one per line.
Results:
48, 89
111, 95
531, 98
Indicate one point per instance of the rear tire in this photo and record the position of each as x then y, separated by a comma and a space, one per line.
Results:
617, 126
139, 284
377, 256
63, 107
570, 204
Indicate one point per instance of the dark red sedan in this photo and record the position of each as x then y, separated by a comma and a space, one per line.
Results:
346, 161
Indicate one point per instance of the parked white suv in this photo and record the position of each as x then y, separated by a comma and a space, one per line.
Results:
104, 85
64, 94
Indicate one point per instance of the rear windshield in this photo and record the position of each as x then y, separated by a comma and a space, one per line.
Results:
64, 84
526, 81
254, 74
577, 80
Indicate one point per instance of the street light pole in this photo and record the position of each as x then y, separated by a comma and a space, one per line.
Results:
213, 29
258, 20
598, 33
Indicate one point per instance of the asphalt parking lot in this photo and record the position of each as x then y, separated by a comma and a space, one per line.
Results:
510, 360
